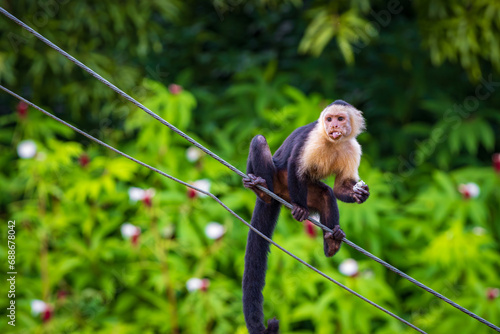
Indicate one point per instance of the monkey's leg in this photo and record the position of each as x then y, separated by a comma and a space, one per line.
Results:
260, 168
322, 199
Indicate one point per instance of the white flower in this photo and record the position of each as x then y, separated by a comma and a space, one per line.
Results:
214, 230
193, 154
26, 149
469, 190
202, 184
349, 267
477, 230
194, 284
136, 194
129, 230
474, 190
38, 306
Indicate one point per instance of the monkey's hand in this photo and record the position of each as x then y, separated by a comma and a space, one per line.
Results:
299, 213
361, 192
332, 241
253, 181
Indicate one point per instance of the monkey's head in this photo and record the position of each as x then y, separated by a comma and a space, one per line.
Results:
341, 121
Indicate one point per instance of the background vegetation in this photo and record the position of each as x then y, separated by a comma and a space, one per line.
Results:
425, 74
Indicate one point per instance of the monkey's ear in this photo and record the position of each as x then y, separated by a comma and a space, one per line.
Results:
358, 121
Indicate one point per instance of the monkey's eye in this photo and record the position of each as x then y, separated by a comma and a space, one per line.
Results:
328, 119
341, 119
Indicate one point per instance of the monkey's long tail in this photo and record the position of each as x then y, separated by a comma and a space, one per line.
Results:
254, 277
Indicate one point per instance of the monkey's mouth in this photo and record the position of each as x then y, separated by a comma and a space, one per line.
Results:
336, 134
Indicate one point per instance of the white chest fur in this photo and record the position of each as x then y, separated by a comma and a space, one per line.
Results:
321, 158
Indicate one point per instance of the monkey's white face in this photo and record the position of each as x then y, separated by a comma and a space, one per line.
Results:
337, 124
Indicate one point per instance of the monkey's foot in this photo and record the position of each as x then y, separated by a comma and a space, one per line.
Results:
332, 241
253, 181
361, 192
299, 213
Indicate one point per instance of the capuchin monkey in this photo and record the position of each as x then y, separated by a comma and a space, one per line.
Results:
312, 152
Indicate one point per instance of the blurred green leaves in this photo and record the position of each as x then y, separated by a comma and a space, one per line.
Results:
224, 72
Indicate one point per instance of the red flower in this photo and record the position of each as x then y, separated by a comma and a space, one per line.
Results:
175, 89
132, 232
309, 228
496, 162
469, 190
84, 160
135, 239
22, 109
47, 314
148, 197
195, 284
39, 307
191, 193
202, 184
205, 283
62, 294
492, 293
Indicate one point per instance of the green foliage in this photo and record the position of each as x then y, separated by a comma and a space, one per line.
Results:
461, 31
244, 69
346, 27
457, 31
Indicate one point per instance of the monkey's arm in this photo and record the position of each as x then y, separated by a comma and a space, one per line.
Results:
297, 188
345, 191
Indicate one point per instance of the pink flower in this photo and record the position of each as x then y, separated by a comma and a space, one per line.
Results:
195, 284
22, 109
175, 89
39, 307
137, 194
202, 184
148, 197
496, 162
492, 293
469, 190
132, 232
